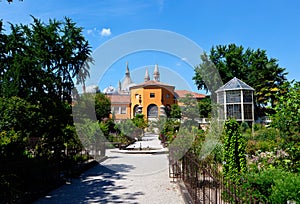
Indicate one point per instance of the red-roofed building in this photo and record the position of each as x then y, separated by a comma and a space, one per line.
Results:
149, 98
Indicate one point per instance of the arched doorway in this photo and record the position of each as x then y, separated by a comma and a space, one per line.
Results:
135, 110
152, 111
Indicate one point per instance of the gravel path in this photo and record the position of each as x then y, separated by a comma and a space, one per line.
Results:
122, 178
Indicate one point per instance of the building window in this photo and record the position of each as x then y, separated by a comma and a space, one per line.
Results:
247, 96
137, 96
115, 110
152, 95
123, 110
233, 96
234, 111
248, 111
119, 110
221, 97
167, 95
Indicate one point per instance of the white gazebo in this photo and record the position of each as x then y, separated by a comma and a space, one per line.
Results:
235, 100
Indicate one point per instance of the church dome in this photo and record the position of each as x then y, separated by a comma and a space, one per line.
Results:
110, 90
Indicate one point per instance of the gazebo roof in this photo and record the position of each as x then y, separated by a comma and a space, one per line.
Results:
234, 84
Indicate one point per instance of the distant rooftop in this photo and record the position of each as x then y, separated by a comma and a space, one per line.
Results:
151, 83
235, 84
183, 93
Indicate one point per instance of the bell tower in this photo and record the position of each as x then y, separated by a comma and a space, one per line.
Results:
156, 73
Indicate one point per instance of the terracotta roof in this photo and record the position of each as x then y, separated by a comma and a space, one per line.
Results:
118, 98
151, 83
183, 93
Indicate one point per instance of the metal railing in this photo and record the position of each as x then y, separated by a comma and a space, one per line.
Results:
206, 184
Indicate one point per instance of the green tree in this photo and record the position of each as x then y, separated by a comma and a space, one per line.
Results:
287, 114
102, 106
41, 60
251, 66
175, 111
205, 107
84, 72
287, 120
189, 107
132, 128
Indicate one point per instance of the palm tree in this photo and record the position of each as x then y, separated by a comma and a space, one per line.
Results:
84, 72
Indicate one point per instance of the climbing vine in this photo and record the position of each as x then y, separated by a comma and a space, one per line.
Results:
234, 156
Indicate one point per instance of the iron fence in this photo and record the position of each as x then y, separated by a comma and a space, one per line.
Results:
205, 183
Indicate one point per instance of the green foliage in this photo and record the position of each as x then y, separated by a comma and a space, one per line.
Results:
175, 111
198, 142
15, 113
273, 185
212, 139
286, 188
71, 139
207, 76
254, 146
287, 121
139, 121
250, 66
170, 129
234, 156
182, 142
127, 128
205, 108
287, 116
41, 60
12, 145
159, 124
264, 139
189, 108
132, 128
102, 106
38, 63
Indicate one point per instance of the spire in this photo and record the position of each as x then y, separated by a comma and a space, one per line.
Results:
156, 73
147, 77
126, 81
127, 69
119, 87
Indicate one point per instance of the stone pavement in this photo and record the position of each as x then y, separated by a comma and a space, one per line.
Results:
122, 178
148, 145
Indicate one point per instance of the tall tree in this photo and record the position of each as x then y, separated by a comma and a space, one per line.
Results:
84, 73
287, 121
250, 66
43, 59
39, 63
102, 106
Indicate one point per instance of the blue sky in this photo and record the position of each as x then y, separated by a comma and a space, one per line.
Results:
272, 25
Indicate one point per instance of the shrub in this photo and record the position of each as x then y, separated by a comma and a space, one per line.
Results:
273, 185
286, 188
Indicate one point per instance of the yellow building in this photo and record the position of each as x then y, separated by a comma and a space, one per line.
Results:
150, 98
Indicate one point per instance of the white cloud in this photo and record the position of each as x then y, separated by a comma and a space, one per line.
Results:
91, 31
105, 32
